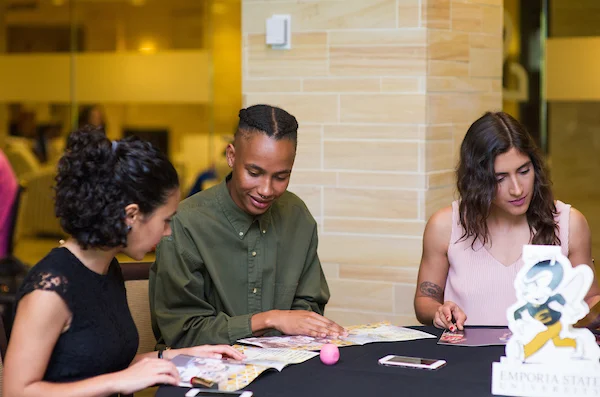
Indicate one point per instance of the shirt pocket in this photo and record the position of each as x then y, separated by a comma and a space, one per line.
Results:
284, 295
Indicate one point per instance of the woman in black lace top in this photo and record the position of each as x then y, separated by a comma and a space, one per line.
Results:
73, 333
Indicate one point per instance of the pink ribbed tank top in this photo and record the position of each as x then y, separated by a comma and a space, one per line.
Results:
478, 283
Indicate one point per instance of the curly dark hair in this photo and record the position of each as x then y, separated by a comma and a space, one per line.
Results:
98, 178
270, 120
491, 135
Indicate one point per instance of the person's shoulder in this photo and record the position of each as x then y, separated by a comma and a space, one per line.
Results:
292, 206
441, 219
439, 226
51, 273
203, 202
577, 223
56, 261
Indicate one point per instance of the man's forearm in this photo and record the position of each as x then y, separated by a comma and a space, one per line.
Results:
220, 329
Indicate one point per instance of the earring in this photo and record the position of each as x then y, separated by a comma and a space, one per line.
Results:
128, 228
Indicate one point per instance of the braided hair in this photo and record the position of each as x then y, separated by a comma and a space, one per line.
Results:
272, 121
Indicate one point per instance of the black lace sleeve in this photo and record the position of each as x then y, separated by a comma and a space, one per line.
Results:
46, 281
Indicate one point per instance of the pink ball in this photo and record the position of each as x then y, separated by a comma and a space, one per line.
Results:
330, 354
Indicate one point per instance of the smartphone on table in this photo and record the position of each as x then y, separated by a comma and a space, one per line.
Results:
217, 393
411, 362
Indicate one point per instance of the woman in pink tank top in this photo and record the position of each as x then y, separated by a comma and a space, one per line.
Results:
472, 249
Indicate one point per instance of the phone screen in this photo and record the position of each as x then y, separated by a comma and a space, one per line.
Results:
215, 393
411, 360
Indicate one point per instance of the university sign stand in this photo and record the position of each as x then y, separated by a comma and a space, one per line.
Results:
546, 356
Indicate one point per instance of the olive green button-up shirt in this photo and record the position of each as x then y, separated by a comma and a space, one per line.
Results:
220, 266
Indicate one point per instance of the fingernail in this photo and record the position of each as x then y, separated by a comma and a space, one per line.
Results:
451, 328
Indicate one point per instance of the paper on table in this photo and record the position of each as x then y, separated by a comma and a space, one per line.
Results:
228, 375
384, 332
295, 342
358, 335
274, 358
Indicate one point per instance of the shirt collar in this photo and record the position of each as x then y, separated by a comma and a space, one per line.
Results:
238, 218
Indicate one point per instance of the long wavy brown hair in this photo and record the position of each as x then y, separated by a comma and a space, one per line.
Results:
491, 135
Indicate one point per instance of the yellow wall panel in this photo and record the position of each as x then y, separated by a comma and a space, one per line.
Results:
572, 66
166, 77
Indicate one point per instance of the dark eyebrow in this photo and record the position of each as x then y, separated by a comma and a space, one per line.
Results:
255, 167
527, 164
259, 169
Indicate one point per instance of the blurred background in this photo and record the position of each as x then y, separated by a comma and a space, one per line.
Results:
167, 71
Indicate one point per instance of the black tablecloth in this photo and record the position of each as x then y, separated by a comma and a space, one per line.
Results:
468, 372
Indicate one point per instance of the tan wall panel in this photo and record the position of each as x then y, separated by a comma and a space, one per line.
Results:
371, 156
379, 273
342, 85
439, 155
402, 84
368, 180
307, 108
321, 15
272, 85
308, 57
371, 203
405, 37
362, 295
447, 68
370, 131
361, 249
312, 177
377, 61
409, 13
309, 152
436, 14
448, 46
374, 226
383, 108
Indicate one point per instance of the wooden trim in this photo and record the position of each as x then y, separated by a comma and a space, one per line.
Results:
136, 270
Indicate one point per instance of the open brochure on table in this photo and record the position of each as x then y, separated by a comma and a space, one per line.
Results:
474, 337
358, 335
231, 375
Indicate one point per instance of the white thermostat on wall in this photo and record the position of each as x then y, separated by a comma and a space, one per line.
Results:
278, 32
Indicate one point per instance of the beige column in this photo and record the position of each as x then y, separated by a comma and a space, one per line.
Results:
383, 91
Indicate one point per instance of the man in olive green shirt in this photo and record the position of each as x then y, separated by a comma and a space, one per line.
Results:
242, 257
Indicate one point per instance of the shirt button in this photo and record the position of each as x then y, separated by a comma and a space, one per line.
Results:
254, 291
253, 253
264, 231
241, 234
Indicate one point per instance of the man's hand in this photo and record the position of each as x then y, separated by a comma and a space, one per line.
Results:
299, 322
302, 322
